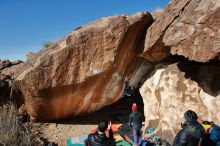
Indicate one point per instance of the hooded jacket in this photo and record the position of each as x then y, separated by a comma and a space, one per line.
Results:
190, 134
135, 121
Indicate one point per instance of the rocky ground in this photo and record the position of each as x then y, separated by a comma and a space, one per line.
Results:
58, 133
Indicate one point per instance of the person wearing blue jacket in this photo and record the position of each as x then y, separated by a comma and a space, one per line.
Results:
212, 137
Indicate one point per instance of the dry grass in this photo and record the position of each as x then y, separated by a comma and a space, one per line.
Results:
12, 131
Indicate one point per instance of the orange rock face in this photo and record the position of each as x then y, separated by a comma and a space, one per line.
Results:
85, 70
186, 27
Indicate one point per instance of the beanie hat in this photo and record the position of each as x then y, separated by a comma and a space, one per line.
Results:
134, 107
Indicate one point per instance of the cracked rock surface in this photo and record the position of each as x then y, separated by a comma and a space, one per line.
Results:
186, 27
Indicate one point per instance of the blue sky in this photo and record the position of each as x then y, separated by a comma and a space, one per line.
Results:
26, 24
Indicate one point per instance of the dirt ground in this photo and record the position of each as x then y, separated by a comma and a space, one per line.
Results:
58, 133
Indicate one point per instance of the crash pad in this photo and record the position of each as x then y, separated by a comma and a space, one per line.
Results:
77, 141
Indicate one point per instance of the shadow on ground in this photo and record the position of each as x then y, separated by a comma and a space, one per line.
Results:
117, 112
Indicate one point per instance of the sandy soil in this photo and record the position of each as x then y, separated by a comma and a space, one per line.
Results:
58, 133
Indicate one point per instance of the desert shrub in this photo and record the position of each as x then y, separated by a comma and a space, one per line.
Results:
48, 44
12, 131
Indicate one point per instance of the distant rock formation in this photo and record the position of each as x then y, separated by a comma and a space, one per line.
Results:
186, 27
8, 72
13, 69
86, 70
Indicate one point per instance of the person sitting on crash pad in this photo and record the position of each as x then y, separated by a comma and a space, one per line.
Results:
147, 135
99, 138
192, 131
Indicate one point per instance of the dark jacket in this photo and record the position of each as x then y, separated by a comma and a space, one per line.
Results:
213, 137
96, 139
189, 135
135, 121
215, 134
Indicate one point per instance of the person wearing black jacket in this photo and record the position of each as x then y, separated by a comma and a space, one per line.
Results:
135, 122
192, 131
99, 138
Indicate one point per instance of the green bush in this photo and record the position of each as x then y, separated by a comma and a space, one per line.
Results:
48, 44
12, 131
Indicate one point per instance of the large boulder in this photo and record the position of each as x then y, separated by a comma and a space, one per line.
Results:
85, 70
185, 27
173, 89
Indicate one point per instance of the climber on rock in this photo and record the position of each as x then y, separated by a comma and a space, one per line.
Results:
128, 91
192, 131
